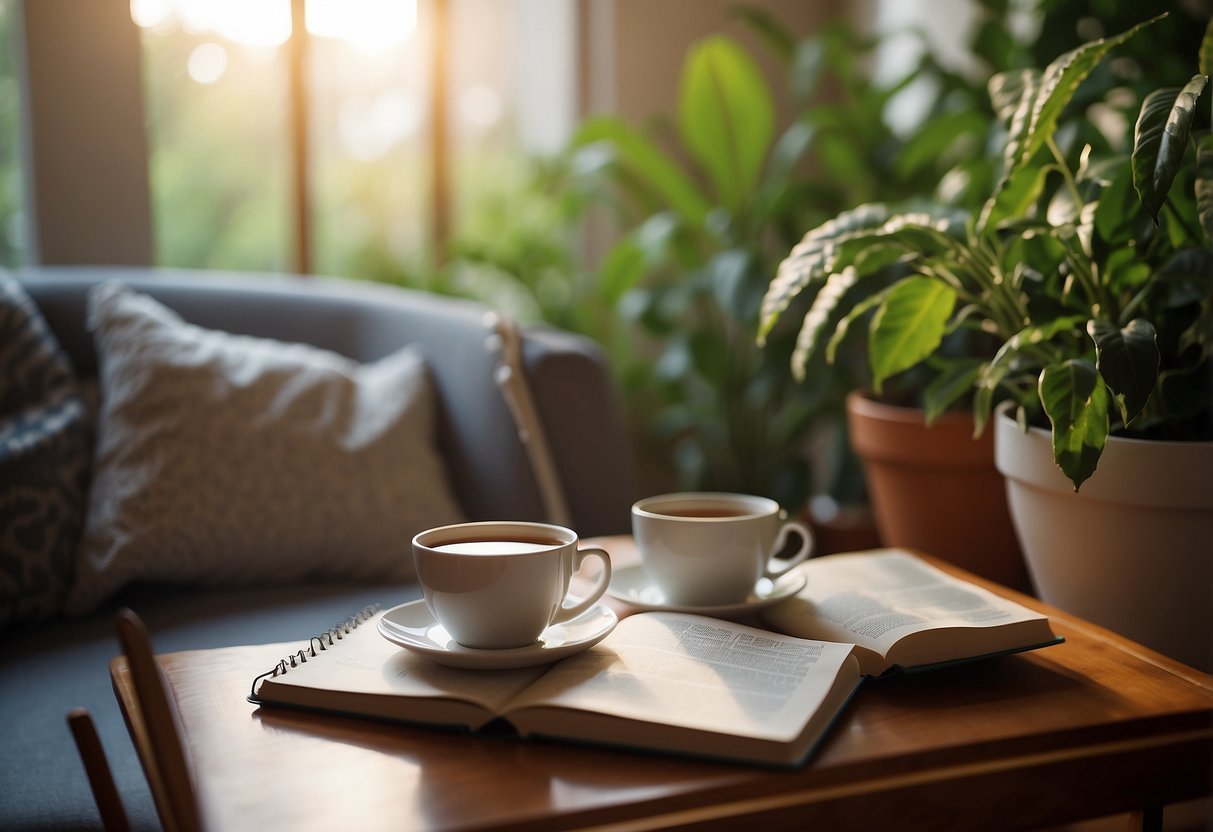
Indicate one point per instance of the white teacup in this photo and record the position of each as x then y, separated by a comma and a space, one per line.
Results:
501, 584
709, 549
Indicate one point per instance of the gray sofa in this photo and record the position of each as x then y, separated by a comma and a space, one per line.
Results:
47, 669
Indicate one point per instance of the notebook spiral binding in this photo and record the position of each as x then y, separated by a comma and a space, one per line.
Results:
316, 644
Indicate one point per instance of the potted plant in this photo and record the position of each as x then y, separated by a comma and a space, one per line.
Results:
707, 207
1090, 314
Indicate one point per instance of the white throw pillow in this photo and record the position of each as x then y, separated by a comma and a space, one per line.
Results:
228, 460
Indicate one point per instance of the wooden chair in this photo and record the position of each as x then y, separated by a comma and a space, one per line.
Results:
154, 723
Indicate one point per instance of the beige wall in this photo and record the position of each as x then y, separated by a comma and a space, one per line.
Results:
86, 188
635, 48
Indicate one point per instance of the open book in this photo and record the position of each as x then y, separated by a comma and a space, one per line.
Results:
661, 681
902, 613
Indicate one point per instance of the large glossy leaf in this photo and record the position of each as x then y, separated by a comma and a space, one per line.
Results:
1076, 402
908, 326
1041, 101
1160, 140
726, 117
647, 162
1128, 360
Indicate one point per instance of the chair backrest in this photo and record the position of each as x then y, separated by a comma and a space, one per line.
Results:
571, 387
155, 727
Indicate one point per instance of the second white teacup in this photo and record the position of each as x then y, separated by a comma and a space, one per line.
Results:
709, 548
501, 584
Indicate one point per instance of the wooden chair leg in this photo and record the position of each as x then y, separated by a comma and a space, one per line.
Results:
96, 766
1148, 819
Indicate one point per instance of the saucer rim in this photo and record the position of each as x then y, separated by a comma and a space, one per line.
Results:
459, 656
795, 578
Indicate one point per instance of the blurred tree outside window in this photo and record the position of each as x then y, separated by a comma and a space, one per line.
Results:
216, 109
218, 103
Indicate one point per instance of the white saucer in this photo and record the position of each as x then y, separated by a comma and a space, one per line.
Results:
414, 628
633, 585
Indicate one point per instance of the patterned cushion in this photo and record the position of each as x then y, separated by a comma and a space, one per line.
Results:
44, 456
226, 460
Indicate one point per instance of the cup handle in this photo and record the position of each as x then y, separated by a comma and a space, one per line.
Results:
806, 544
600, 587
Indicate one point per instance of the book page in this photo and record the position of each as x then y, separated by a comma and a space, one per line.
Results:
367, 674
875, 599
699, 673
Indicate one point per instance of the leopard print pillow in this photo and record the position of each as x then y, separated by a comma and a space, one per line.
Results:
44, 459
228, 460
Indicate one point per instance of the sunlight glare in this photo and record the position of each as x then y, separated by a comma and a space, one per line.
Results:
480, 106
207, 63
148, 14
368, 25
246, 22
370, 127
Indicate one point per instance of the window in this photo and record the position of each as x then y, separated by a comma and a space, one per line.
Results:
380, 118
11, 223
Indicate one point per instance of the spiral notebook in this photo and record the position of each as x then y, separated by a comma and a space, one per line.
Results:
661, 681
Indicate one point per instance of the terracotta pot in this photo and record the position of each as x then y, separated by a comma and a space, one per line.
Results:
936, 489
1133, 549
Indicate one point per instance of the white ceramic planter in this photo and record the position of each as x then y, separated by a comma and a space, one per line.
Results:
1133, 550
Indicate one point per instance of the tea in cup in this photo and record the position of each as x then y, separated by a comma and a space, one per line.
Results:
711, 549
494, 585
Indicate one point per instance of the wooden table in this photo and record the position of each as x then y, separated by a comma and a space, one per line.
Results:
1093, 727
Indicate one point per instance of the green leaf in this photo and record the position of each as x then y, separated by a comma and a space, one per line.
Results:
818, 316
726, 117
909, 325
1033, 336
812, 259
1206, 50
1204, 185
768, 27
1186, 392
1160, 140
1186, 278
1042, 100
1016, 195
948, 387
1128, 360
645, 160
934, 139
1007, 89
622, 268
844, 326
1076, 402
780, 174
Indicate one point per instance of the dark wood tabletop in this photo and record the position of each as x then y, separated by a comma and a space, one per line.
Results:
1095, 726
